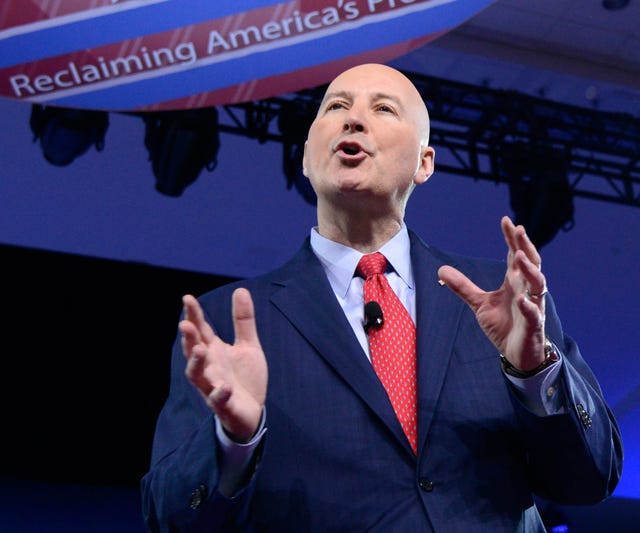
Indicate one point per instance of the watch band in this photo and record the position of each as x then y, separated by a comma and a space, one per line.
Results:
551, 355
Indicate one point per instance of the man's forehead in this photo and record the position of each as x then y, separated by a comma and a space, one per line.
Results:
378, 84
400, 99
369, 78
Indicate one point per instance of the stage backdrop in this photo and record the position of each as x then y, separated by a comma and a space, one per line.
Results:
157, 55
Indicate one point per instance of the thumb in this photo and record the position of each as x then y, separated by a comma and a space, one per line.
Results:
461, 285
244, 319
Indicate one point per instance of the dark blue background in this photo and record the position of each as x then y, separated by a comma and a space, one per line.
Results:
87, 364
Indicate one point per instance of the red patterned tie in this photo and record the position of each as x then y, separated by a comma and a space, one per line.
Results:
393, 345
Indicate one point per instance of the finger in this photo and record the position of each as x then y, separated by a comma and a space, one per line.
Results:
535, 279
193, 313
460, 284
188, 338
533, 316
509, 231
190, 305
529, 249
195, 371
219, 396
517, 239
244, 320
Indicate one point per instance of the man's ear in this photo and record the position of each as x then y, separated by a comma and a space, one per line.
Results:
427, 164
304, 160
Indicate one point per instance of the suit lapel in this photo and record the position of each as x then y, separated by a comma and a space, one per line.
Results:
438, 312
308, 302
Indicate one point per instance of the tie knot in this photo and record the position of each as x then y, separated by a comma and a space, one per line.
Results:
372, 264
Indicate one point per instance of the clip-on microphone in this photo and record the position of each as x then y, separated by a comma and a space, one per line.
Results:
373, 316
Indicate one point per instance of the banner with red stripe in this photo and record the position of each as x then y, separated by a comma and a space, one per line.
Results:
135, 55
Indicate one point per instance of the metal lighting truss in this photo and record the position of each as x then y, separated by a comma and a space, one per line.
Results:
476, 124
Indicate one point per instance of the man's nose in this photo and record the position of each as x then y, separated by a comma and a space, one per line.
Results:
354, 122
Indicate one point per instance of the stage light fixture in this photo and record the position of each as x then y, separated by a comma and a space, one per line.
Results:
294, 121
180, 145
65, 133
614, 5
539, 190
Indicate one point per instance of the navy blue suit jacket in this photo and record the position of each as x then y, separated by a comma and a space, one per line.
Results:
334, 457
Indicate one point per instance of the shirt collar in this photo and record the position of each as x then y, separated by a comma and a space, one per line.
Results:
340, 261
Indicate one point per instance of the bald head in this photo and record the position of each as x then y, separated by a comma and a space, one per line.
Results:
367, 149
384, 77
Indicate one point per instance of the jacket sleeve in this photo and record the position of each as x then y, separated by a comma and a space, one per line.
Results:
575, 458
180, 490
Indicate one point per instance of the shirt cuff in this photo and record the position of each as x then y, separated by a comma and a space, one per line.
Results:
235, 457
541, 393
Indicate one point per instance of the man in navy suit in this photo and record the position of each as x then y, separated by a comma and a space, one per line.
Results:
276, 419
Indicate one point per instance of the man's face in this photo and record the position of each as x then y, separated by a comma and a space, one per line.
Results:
367, 139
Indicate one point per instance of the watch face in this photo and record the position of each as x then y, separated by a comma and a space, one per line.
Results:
550, 352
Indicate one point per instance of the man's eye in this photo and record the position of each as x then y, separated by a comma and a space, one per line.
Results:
334, 105
385, 108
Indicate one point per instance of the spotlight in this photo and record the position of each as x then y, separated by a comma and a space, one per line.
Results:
614, 5
180, 145
66, 134
294, 121
539, 190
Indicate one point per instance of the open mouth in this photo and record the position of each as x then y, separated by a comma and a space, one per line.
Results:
351, 148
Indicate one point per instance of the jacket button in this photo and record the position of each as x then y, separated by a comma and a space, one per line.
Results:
197, 497
425, 484
584, 416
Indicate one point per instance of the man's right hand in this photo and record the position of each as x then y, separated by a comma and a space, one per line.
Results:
232, 378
